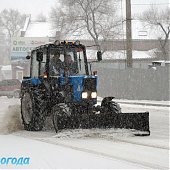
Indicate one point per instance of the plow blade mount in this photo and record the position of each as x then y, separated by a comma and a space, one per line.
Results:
139, 122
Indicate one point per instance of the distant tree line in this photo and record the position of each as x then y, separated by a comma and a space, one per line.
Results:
159, 19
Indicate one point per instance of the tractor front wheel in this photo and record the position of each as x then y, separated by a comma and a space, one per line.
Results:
60, 114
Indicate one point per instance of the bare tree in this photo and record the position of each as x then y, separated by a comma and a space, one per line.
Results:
4, 48
96, 17
159, 19
59, 20
12, 21
2, 40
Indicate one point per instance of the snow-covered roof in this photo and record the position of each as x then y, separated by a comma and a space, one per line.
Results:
78, 36
27, 21
140, 30
92, 54
40, 29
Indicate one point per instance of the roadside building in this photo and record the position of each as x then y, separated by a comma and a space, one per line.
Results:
32, 35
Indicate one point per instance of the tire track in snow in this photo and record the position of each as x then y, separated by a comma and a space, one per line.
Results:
134, 142
66, 142
141, 163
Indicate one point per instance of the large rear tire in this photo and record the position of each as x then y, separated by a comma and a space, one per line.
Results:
32, 108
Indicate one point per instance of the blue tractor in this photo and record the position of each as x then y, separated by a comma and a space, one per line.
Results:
62, 85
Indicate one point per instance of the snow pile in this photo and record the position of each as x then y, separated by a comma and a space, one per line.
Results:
11, 120
93, 133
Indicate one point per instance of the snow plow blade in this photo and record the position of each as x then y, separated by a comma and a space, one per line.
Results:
138, 122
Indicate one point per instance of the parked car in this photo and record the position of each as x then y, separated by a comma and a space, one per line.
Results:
10, 88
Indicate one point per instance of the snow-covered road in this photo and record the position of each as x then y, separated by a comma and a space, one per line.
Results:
94, 148
45, 155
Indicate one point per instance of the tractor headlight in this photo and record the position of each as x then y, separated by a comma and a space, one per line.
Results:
84, 95
94, 95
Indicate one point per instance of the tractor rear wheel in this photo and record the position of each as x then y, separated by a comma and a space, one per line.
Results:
32, 108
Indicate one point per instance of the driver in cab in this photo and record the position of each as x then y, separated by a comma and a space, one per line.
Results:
70, 65
55, 65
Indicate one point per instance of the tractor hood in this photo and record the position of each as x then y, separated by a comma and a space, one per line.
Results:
80, 84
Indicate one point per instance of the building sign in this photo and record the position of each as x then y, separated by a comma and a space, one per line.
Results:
20, 46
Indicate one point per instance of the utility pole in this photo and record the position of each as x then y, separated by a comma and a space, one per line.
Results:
128, 34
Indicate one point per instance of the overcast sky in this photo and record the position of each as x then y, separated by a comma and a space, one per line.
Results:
138, 6
34, 7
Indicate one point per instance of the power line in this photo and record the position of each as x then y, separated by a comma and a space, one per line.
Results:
153, 4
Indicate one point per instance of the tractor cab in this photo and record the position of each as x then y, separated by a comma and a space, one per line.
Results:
59, 59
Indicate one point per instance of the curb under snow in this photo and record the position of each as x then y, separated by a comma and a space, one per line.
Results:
141, 102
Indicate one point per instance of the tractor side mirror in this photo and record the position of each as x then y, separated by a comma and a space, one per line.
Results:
28, 57
99, 55
39, 56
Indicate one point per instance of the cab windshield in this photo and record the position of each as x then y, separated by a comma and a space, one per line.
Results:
70, 62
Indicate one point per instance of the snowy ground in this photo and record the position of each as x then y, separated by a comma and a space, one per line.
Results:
96, 148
